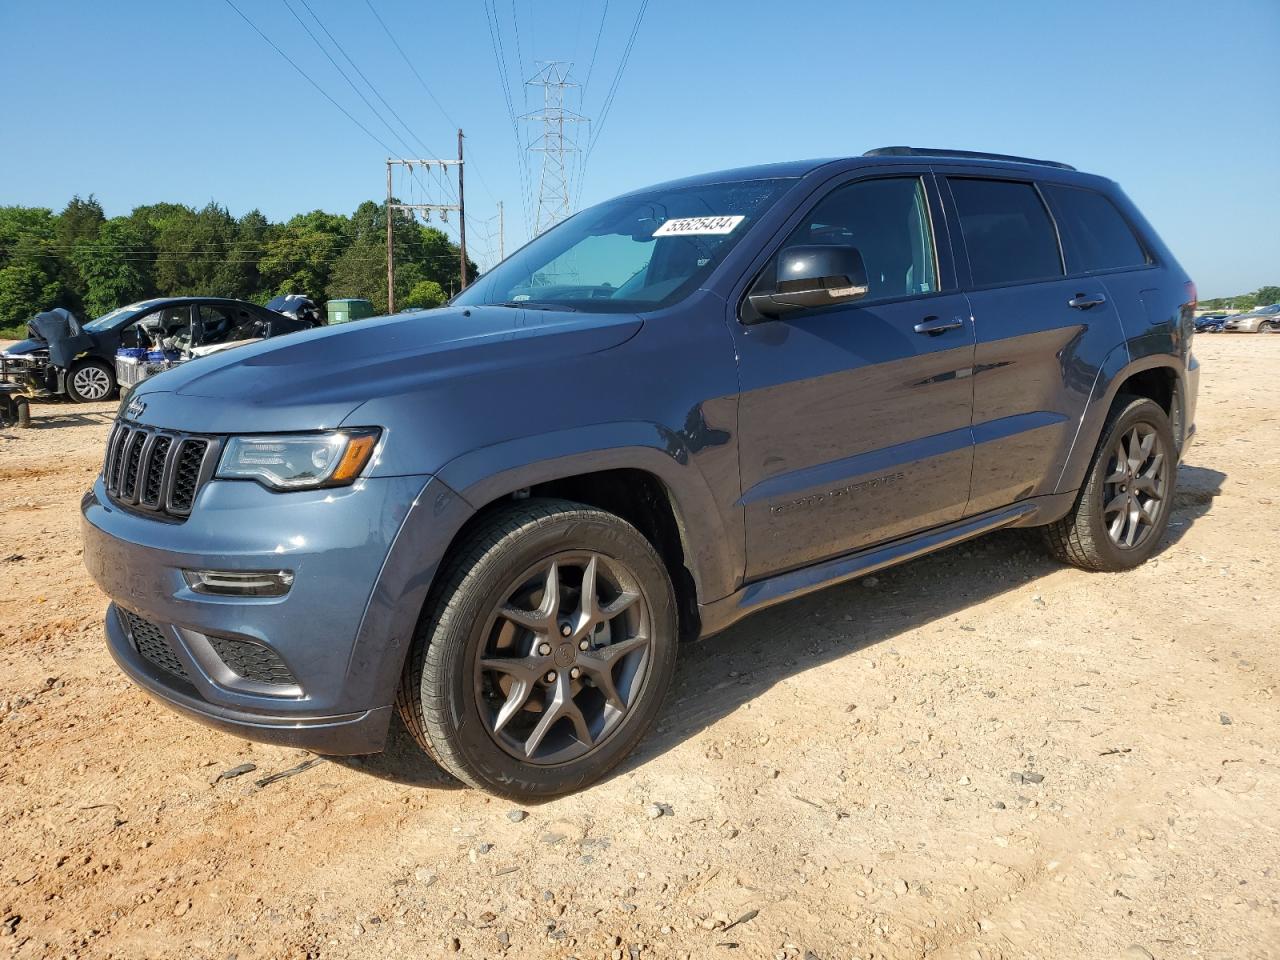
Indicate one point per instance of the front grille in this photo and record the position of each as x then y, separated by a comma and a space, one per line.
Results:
157, 472
252, 661
149, 641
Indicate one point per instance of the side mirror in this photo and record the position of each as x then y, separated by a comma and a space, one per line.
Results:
814, 275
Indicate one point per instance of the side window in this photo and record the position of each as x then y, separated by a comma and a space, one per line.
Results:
888, 221
220, 324
1007, 231
157, 325
1096, 236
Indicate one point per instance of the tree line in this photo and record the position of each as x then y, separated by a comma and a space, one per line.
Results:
89, 263
1262, 297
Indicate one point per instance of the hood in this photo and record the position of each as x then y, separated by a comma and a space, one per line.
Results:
25, 346
314, 379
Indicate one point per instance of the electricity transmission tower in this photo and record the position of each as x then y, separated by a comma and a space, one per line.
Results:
555, 143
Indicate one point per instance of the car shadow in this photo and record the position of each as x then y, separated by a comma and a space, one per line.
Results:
718, 675
402, 762
51, 412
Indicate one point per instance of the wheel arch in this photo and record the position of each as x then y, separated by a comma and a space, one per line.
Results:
639, 471
1158, 377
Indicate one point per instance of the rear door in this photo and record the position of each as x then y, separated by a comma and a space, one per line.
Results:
853, 424
1041, 336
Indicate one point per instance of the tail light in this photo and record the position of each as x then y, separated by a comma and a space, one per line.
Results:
1192, 298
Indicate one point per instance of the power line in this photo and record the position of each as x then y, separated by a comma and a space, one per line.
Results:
305, 76
405, 57
422, 83
500, 63
355, 66
595, 50
617, 80
351, 83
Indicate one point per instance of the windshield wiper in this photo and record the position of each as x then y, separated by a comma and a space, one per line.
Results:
538, 305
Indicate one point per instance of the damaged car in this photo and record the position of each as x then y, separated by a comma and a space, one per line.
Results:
62, 357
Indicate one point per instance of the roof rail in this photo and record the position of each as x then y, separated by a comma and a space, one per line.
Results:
962, 154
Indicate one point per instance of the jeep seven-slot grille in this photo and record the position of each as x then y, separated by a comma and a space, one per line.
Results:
157, 472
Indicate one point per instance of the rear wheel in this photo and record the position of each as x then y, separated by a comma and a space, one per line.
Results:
1269, 326
544, 654
1123, 509
90, 381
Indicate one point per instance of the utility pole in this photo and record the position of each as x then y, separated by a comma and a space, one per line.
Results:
391, 260
502, 235
462, 220
426, 209
553, 143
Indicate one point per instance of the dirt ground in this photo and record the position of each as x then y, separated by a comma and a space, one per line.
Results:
976, 755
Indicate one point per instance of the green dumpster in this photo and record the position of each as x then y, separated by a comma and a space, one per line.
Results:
344, 311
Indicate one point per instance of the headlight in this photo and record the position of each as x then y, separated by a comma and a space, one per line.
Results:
299, 461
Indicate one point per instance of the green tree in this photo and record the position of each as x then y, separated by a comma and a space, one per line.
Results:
25, 290
78, 223
110, 268
299, 257
30, 269
1267, 295
425, 294
422, 253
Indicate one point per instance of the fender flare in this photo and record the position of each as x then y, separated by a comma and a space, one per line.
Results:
1114, 370
713, 544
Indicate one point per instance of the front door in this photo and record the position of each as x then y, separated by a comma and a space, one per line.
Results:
854, 419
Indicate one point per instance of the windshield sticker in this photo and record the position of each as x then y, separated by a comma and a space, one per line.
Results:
698, 226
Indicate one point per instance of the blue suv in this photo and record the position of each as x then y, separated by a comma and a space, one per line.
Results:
499, 518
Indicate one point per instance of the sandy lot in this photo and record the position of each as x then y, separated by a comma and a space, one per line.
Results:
978, 755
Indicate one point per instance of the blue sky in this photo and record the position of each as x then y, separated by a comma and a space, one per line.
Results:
146, 100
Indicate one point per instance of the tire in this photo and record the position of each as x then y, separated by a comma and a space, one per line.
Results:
91, 381
1268, 326
1085, 537
453, 703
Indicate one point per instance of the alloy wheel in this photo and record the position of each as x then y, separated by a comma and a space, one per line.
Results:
1136, 486
91, 382
566, 654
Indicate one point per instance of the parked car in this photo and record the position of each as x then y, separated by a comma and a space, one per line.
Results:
1261, 320
754, 384
1210, 322
62, 357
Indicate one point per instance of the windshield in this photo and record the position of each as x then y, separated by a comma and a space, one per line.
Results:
635, 253
110, 319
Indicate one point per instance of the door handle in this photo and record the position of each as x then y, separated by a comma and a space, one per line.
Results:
1083, 301
933, 326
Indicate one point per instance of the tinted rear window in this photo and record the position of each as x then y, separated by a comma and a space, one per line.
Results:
1007, 231
1095, 235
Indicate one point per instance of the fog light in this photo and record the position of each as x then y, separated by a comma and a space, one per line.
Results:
240, 583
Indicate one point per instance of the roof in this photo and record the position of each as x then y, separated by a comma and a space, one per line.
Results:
912, 156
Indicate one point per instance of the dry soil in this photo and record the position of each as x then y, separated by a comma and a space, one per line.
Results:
977, 755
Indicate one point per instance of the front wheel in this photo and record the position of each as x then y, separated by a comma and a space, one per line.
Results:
1269, 326
1123, 509
544, 654
90, 381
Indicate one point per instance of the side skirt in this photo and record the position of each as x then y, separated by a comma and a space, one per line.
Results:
721, 614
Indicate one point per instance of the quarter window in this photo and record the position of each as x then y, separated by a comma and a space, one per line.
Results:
1007, 231
888, 221
1096, 236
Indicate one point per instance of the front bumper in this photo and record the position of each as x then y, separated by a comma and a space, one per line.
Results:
340, 735
34, 375
362, 559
